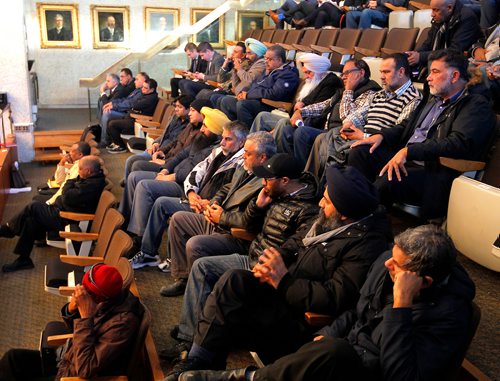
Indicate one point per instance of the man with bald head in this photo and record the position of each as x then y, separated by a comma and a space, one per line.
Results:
79, 195
453, 27
111, 33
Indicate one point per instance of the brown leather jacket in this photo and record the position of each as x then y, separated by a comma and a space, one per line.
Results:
102, 344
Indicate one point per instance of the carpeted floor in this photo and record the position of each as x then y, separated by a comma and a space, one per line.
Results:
27, 307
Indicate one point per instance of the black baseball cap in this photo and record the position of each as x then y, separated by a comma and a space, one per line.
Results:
280, 165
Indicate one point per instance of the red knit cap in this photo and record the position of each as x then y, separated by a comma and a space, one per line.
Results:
103, 281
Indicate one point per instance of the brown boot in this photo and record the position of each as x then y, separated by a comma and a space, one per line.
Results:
274, 16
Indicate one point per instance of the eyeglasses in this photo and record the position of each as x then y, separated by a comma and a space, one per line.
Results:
269, 58
347, 72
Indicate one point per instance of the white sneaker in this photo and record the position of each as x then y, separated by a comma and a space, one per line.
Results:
141, 260
165, 265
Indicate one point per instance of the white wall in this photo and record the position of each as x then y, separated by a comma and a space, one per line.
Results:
59, 70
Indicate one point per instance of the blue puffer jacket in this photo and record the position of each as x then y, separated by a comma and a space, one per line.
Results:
278, 85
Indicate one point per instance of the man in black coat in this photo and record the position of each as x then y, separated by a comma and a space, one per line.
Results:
79, 195
411, 322
59, 32
322, 270
453, 27
456, 123
111, 33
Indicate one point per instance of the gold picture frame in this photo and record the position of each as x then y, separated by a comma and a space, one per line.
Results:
58, 25
214, 33
158, 21
250, 20
111, 27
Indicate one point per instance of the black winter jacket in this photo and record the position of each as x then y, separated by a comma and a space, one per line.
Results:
327, 277
417, 343
283, 217
81, 195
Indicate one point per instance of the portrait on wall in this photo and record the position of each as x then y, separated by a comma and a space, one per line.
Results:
58, 25
249, 21
159, 21
213, 33
111, 27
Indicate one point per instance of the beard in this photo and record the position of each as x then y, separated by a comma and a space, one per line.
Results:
325, 224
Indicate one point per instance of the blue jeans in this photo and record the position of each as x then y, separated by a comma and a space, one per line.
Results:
228, 106
145, 156
216, 100
365, 18
163, 209
265, 121
128, 193
146, 193
204, 274
105, 118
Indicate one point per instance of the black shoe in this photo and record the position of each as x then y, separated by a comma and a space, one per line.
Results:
215, 375
117, 149
6, 231
194, 363
175, 289
175, 351
19, 264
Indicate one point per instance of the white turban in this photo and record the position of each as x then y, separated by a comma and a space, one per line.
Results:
313, 62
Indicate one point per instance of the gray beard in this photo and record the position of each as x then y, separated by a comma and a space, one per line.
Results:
325, 224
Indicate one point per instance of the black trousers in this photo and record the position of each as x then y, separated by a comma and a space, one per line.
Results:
327, 359
426, 187
327, 14
174, 86
242, 312
120, 126
22, 365
32, 223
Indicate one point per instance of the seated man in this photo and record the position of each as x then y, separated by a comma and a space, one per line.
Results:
237, 58
321, 269
197, 66
278, 84
144, 105
285, 205
104, 320
453, 27
291, 9
358, 92
387, 108
193, 235
144, 187
200, 185
79, 195
456, 123
115, 87
214, 61
178, 123
161, 157
243, 76
374, 13
411, 303
118, 108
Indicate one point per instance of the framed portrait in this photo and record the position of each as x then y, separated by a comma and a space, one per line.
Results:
214, 33
111, 27
158, 21
250, 20
58, 25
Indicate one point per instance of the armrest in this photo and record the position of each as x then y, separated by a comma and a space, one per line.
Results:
394, 7
340, 50
286, 46
321, 49
419, 5
243, 234
213, 83
140, 116
277, 104
80, 261
66, 290
152, 130
462, 165
268, 44
230, 42
367, 52
77, 216
318, 320
78, 236
56, 340
179, 72
148, 123
302, 48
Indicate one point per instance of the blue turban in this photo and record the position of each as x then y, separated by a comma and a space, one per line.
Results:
256, 46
